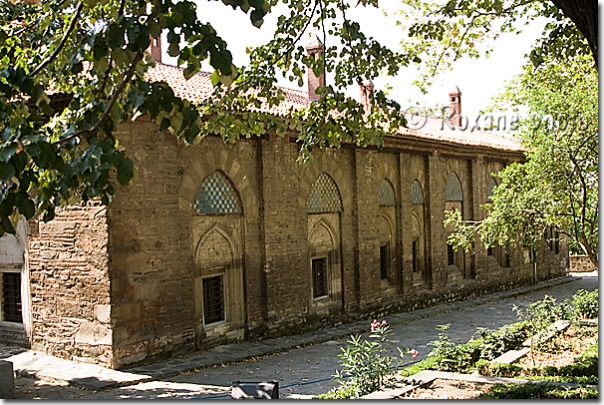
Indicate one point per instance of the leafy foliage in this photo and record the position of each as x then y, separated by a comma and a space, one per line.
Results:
557, 186
585, 304
541, 315
451, 356
72, 71
365, 363
438, 33
539, 391
495, 343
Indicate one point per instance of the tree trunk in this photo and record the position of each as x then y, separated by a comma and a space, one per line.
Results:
584, 13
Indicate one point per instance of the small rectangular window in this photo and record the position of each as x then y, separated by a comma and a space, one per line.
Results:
414, 254
450, 255
319, 277
11, 297
213, 299
384, 261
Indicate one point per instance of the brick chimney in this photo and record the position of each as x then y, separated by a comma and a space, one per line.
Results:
366, 91
315, 49
455, 107
155, 48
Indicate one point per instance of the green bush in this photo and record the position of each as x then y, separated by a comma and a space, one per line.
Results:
505, 370
345, 392
540, 315
365, 363
585, 304
539, 391
452, 357
509, 337
483, 367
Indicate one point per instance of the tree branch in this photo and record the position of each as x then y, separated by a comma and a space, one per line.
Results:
107, 111
58, 49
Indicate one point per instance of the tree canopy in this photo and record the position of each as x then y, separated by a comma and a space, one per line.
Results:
441, 32
557, 186
71, 71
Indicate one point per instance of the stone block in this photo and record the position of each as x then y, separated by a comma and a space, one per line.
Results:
7, 380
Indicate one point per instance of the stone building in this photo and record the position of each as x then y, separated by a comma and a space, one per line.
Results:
218, 243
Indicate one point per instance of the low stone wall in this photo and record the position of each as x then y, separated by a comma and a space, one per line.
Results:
581, 263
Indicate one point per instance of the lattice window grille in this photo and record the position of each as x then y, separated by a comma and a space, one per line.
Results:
386, 193
213, 299
217, 196
324, 196
417, 195
453, 191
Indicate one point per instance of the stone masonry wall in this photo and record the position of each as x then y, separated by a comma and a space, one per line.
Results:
581, 263
70, 291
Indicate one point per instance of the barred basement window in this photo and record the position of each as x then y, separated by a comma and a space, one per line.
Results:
414, 255
319, 277
450, 255
11, 297
384, 262
213, 299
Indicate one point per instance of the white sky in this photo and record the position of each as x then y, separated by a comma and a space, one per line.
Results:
478, 79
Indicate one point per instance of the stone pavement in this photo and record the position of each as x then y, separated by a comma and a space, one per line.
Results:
302, 364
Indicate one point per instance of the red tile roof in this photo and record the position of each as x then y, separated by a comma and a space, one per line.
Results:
199, 87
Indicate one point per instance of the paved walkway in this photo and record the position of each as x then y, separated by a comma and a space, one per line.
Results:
302, 364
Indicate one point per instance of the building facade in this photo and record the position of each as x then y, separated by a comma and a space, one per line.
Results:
219, 243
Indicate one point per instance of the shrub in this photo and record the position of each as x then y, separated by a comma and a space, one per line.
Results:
586, 304
365, 363
345, 392
505, 370
540, 315
483, 367
449, 356
539, 391
495, 343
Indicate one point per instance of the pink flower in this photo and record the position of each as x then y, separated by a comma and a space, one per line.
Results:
374, 325
384, 323
414, 353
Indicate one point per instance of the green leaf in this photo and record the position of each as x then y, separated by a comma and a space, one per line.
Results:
7, 171
27, 208
125, 171
8, 151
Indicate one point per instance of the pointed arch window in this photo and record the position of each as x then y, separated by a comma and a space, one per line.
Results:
324, 196
453, 190
417, 194
217, 196
386, 195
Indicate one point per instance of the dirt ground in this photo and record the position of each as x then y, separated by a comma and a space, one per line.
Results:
448, 389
